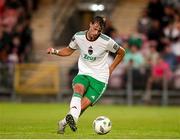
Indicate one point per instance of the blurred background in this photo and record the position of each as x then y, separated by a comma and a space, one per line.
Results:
148, 75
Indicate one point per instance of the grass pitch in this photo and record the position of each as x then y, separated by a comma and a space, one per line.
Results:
39, 120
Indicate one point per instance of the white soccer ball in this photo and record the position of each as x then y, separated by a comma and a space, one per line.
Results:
102, 125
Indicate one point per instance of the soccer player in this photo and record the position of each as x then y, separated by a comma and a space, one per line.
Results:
92, 79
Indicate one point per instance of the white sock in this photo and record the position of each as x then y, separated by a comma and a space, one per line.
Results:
75, 107
63, 121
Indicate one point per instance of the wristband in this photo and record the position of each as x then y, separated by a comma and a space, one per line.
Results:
54, 51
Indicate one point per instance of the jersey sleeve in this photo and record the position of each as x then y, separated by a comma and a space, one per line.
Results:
73, 44
112, 46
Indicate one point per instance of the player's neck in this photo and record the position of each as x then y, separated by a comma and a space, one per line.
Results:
89, 38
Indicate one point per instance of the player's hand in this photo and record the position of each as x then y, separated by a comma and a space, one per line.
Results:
52, 51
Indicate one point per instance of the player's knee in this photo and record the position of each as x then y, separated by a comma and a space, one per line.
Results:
85, 103
79, 88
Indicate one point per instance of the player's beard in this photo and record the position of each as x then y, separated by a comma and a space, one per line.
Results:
91, 36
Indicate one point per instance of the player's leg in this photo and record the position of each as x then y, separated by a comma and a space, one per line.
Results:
75, 106
91, 97
75, 109
80, 84
61, 126
93, 93
85, 103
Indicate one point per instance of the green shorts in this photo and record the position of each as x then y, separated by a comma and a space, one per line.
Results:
94, 88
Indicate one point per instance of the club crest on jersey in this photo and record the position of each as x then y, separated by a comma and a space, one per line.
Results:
90, 50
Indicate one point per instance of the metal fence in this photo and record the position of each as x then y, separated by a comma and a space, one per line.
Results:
23, 79
6, 78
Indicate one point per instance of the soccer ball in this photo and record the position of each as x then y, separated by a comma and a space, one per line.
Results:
102, 125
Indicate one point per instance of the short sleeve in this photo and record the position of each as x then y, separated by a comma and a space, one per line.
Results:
112, 46
73, 44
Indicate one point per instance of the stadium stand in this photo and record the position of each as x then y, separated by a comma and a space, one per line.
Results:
16, 41
157, 36
15, 31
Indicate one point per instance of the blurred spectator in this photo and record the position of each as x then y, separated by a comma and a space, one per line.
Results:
172, 32
15, 30
155, 33
144, 22
152, 55
176, 49
170, 57
155, 9
134, 57
168, 16
159, 72
115, 35
12, 60
16, 43
175, 45
109, 27
135, 40
173, 3
10, 18
13, 57
176, 16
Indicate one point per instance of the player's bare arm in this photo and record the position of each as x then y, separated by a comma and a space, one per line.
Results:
119, 56
67, 51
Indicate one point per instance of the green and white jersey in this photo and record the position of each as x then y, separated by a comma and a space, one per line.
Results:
94, 55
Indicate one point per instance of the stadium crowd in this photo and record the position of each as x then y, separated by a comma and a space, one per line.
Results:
153, 52
15, 30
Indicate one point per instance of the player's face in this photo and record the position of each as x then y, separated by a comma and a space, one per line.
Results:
94, 31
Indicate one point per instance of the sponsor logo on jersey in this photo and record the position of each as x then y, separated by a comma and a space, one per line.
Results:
90, 50
89, 58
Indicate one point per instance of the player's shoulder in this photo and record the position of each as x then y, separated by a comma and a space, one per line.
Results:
80, 33
105, 37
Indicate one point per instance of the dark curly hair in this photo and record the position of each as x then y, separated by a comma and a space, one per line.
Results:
100, 20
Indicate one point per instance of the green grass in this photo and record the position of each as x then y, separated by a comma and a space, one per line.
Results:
40, 121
